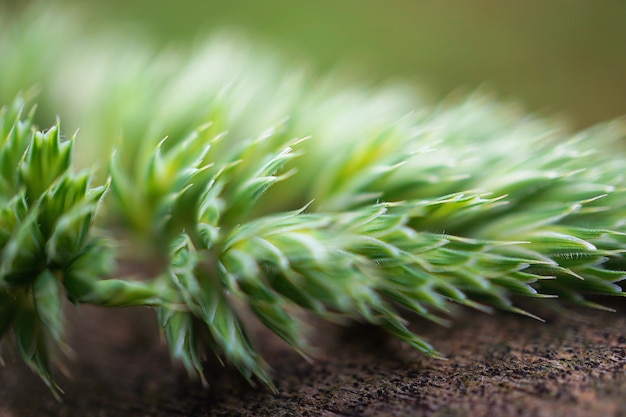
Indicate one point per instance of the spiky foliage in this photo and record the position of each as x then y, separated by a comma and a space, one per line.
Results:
46, 210
45, 247
278, 194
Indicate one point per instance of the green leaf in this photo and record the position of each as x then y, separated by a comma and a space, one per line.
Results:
180, 331
23, 256
33, 346
47, 300
47, 158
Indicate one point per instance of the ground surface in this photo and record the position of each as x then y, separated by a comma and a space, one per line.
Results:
503, 365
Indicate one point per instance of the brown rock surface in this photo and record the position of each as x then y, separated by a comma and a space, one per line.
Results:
501, 365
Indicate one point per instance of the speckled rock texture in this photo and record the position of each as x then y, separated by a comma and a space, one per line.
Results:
501, 365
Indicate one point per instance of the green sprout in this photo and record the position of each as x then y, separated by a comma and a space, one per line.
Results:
45, 243
243, 187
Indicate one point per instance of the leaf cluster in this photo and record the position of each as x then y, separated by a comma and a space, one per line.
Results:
279, 194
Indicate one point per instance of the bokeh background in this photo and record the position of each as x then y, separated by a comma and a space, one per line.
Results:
565, 57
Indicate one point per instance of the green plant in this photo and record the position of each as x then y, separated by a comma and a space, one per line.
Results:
279, 193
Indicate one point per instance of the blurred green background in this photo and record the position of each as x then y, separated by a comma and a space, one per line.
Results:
555, 56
